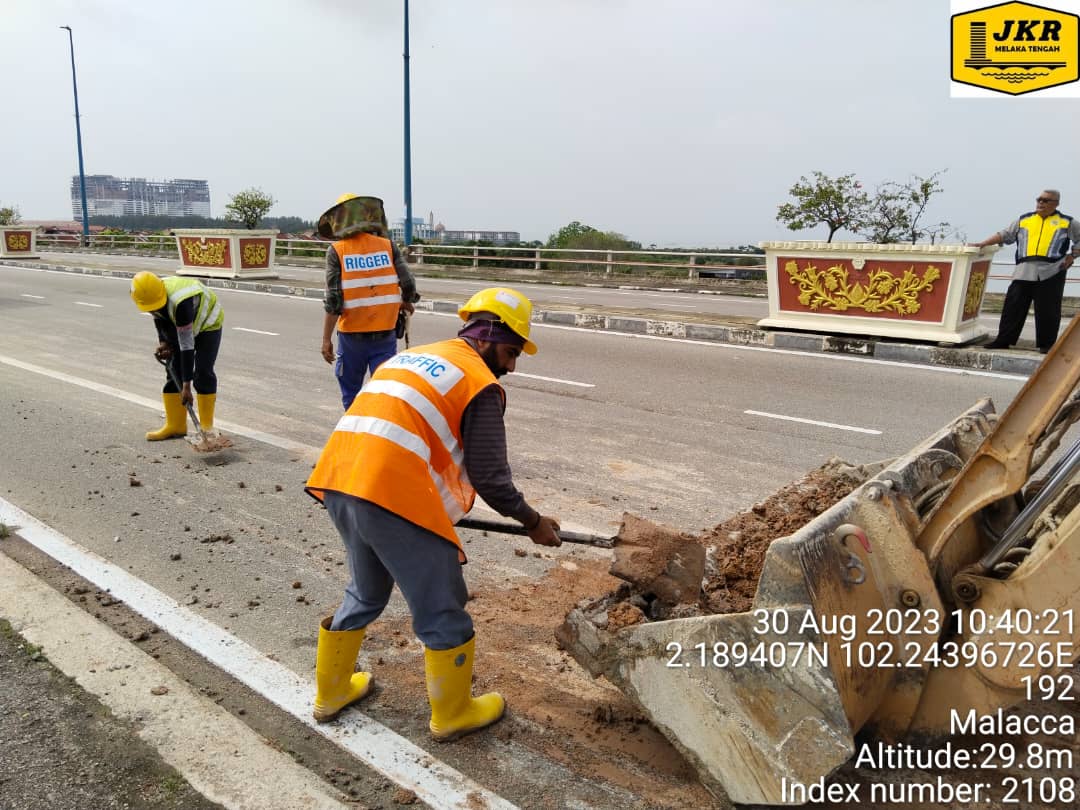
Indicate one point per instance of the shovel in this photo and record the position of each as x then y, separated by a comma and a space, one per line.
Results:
204, 442
515, 528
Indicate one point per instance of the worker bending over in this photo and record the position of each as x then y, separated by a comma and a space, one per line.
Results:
188, 319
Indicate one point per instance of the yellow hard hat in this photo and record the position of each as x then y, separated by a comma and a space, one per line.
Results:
148, 291
512, 308
345, 197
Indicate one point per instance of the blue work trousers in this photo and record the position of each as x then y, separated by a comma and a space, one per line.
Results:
384, 548
358, 354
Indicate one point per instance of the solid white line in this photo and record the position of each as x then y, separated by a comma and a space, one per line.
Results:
373, 743
28, 295
255, 331
814, 422
554, 380
85, 304
223, 759
135, 399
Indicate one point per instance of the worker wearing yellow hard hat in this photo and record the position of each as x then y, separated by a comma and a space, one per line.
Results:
368, 284
422, 439
188, 318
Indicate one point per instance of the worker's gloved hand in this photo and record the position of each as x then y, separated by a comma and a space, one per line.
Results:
185, 395
163, 352
546, 532
328, 351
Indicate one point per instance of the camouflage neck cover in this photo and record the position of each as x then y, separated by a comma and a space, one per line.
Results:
358, 215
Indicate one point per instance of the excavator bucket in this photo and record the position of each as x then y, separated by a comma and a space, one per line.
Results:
851, 613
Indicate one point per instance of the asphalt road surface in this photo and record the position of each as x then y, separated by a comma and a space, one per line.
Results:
681, 432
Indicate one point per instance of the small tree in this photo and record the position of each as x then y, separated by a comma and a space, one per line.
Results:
896, 210
249, 206
9, 215
839, 203
887, 219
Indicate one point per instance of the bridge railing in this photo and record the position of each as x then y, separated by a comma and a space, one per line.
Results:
671, 264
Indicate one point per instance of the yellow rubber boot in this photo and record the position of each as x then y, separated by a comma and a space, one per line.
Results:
206, 404
454, 711
175, 419
336, 685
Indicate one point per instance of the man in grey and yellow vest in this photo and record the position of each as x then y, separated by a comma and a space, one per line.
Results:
367, 284
188, 319
1043, 238
403, 465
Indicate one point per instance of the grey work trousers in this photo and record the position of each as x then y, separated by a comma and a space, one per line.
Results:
384, 548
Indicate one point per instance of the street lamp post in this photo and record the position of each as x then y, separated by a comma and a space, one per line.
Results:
78, 141
408, 144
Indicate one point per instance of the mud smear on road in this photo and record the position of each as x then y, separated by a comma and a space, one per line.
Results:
554, 706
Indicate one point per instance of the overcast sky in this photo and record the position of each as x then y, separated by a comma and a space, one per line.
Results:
675, 123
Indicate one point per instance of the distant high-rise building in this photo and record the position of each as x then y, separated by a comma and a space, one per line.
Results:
108, 196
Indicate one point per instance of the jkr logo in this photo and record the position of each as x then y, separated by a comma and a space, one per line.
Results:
1015, 48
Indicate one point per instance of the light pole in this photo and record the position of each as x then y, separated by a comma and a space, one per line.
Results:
408, 143
78, 141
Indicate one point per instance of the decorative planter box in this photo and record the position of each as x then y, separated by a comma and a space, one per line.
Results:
922, 292
18, 242
235, 253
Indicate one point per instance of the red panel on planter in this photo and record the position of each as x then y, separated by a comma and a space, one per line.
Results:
18, 241
205, 251
895, 290
976, 286
254, 253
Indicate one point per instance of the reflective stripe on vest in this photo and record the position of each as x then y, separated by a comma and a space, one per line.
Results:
1042, 240
399, 444
209, 315
369, 284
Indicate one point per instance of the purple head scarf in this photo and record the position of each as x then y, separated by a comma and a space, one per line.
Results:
493, 331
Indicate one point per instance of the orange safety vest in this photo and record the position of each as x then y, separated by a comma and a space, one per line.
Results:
399, 444
369, 284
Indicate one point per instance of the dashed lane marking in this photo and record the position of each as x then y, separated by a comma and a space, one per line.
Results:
88, 304
813, 422
393, 756
255, 331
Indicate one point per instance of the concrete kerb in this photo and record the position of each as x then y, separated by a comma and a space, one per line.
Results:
963, 357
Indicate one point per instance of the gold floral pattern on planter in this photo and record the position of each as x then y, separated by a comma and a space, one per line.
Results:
883, 291
205, 252
975, 289
253, 254
17, 241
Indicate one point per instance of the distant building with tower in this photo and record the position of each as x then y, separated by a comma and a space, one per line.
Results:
430, 232
108, 196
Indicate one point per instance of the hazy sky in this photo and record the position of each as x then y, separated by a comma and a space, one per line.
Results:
674, 122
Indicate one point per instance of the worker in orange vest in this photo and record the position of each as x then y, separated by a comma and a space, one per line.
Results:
403, 465
367, 284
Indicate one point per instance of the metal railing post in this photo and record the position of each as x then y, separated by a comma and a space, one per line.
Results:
476, 256
419, 254
607, 268
536, 264
692, 272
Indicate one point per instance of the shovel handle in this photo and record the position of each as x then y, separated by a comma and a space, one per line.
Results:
500, 527
179, 387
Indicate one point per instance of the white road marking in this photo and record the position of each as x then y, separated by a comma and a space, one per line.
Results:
85, 304
814, 422
841, 358
154, 404
554, 380
369, 741
255, 331
222, 758
28, 295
